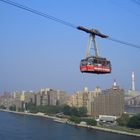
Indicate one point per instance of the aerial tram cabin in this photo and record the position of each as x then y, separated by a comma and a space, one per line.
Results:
94, 64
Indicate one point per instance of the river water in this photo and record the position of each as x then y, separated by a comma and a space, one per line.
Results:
22, 127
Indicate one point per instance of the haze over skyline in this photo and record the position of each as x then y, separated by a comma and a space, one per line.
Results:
37, 53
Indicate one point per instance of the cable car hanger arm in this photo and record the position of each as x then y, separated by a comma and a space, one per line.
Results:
92, 32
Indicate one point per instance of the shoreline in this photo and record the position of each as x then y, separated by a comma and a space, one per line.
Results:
63, 120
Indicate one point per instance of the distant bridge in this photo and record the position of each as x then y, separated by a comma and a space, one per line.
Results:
132, 105
133, 101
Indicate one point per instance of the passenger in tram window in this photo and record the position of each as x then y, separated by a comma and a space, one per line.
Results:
88, 63
95, 61
105, 63
91, 62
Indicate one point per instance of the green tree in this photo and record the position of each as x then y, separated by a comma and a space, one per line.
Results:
91, 122
82, 111
66, 110
12, 108
2, 107
52, 109
20, 109
31, 107
75, 119
134, 122
74, 111
123, 120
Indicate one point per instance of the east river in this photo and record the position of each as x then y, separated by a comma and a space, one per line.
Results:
22, 127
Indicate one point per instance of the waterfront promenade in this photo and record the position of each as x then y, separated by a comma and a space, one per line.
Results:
78, 125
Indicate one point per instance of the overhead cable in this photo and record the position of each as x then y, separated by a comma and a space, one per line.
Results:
39, 13
45, 15
124, 43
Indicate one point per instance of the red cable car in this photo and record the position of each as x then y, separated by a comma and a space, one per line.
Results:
94, 64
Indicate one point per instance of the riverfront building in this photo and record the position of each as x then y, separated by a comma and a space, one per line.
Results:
109, 102
22, 98
77, 99
6, 100
49, 96
100, 102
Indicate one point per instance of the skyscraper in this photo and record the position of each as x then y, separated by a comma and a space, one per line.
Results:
133, 81
132, 92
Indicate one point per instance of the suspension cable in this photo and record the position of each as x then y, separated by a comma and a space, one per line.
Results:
39, 13
45, 15
124, 43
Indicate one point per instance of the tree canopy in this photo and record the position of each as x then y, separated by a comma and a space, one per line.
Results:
67, 110
123, 120
134, 122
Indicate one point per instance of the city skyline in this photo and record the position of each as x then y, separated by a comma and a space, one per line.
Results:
37, 53
91, 100
114, 83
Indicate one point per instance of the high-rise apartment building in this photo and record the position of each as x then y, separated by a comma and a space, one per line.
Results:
109, 102
51, 97
22, 98
91, 97
61, 97
77, 99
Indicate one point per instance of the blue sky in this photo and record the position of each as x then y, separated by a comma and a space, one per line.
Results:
36, 52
